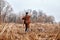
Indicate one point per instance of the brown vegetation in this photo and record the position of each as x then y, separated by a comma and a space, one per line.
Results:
37, 31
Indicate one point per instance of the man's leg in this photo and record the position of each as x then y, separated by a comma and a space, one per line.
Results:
25, 27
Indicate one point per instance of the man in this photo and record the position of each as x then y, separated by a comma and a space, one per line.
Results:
26, 19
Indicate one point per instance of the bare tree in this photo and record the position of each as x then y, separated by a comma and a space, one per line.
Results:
50, 19
2, 4
6, 9
11, 18
34, 16
40, 13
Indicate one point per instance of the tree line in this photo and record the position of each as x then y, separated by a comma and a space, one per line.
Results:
35, 17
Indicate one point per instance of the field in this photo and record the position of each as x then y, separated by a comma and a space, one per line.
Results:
37, 31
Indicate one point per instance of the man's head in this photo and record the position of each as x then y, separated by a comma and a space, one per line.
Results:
26, 13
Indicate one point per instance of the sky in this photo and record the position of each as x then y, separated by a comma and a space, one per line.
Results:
50, 7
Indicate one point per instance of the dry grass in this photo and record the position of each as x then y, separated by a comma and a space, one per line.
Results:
37, 31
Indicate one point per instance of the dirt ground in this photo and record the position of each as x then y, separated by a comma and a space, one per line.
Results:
37, 31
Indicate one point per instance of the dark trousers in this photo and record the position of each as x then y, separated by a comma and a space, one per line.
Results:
26, 27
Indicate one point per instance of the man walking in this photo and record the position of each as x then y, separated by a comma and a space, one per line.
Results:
27, 21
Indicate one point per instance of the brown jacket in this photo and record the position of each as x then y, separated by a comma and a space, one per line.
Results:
26, 19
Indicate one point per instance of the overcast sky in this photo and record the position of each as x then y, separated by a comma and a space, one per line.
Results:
50, 7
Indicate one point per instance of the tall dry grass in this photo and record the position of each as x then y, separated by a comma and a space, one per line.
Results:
37, 31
